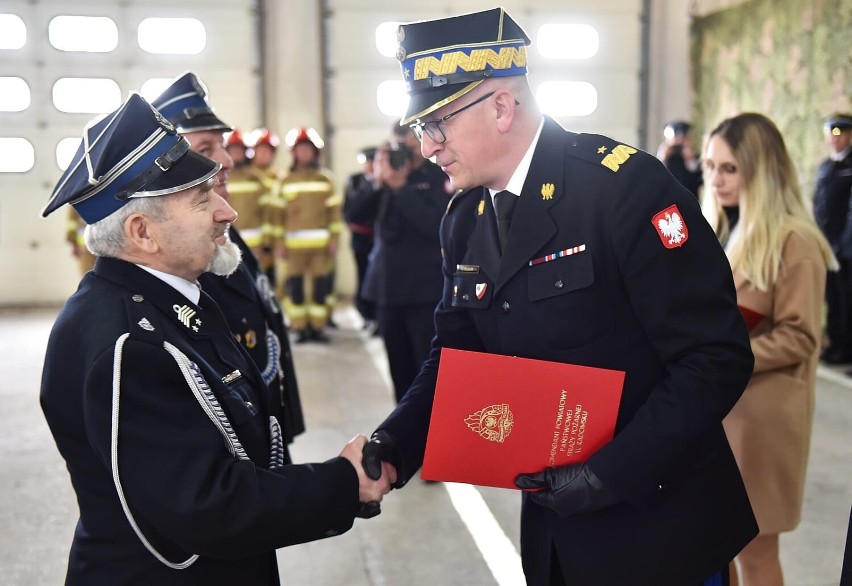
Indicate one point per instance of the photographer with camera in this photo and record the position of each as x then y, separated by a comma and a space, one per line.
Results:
678, 155
406, 203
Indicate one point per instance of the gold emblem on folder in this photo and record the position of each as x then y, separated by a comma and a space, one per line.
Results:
494, 423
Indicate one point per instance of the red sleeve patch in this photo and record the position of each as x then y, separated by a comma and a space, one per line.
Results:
670, 227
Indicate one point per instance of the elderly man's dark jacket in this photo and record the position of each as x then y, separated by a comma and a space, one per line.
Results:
247, 298
165, 426
653, 299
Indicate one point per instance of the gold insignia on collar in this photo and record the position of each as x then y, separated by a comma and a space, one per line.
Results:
481, 209
617, 157
547, 190
601, 150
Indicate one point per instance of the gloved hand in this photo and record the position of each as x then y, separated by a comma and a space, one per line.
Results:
382, 447
568, 490
369, 510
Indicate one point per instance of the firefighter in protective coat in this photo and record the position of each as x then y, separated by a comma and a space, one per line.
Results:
311, 224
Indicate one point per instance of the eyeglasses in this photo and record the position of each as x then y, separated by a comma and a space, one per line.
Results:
434, 128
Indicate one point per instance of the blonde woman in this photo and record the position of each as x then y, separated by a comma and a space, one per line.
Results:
779, 258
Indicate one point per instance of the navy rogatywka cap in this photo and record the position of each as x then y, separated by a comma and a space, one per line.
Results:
184, 104
443, 59
130, 153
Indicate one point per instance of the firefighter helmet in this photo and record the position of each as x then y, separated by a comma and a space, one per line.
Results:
309, 135
235, 138
261, 136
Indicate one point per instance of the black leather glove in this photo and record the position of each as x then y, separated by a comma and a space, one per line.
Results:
568, 490
369, 510
382, 448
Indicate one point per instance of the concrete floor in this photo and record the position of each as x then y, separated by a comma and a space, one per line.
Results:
426, 534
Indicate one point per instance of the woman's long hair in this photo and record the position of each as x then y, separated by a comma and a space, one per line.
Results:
771, 203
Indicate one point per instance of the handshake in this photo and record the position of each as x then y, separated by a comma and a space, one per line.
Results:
566, 490
376, 462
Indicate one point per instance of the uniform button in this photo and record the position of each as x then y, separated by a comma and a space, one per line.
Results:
506, 306
250, 406
466, 297
138, 298
559, 284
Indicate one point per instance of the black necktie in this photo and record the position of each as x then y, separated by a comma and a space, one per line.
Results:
504, 205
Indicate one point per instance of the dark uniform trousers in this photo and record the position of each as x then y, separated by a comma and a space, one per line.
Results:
362, 238
166, 430
608, 263
248, 301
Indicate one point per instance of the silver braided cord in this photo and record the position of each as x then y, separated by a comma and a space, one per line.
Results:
116, 396
273, 358
276, 447
207, 400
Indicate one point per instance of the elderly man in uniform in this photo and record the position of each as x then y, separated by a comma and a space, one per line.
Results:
162, 417
584, 271
246, 297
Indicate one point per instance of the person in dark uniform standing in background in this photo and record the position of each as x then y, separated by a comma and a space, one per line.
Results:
679, 156
406, 205
831, 210
161, 416
246, 297
607, 262
362, 235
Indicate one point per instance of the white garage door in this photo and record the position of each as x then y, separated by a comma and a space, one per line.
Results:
51, 62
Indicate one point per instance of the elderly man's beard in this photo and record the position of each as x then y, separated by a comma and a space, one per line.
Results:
226, 259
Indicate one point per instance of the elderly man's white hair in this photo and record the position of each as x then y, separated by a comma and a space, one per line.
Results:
106, 237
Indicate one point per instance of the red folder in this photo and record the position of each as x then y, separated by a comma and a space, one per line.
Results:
495, 416
752, 318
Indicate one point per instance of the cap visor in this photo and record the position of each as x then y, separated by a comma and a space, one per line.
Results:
426, 102
192, 169
201, 123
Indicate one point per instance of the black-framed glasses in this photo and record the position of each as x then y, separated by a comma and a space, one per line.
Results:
434, 128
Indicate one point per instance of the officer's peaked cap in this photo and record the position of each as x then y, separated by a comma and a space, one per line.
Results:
443, 59
184, 104
838, 123
132, 152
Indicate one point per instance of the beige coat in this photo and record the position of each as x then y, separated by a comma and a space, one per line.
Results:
770, 427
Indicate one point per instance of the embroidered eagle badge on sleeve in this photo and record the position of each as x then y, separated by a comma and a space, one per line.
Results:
670, 227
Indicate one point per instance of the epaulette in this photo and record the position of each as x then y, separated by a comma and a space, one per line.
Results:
601, 150
457, 197
141, 327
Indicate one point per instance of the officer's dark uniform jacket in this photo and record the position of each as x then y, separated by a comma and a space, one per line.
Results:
831, 203
620, 300
165, 426
248, 301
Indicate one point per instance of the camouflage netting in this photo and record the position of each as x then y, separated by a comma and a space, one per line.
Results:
788, 59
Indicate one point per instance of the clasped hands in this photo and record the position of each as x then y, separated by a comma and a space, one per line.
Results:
566, 490
371, 487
